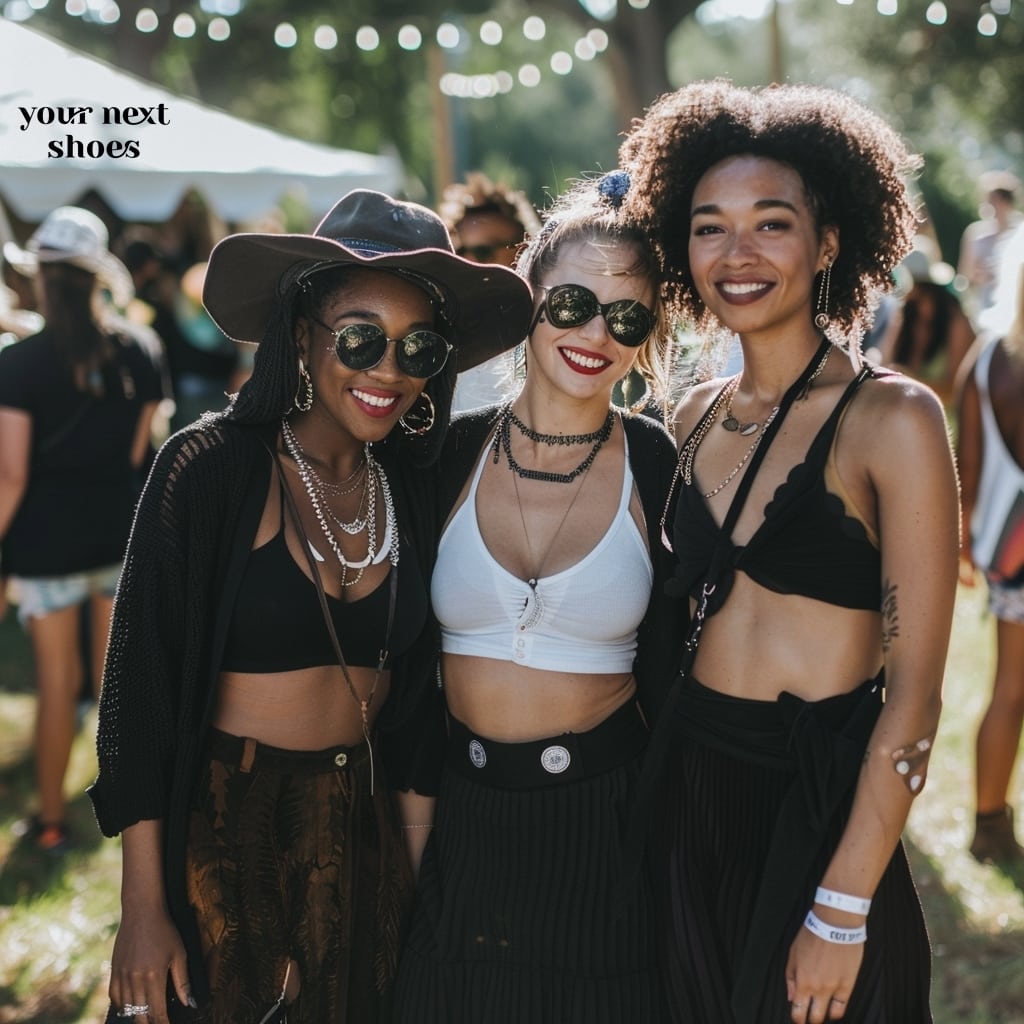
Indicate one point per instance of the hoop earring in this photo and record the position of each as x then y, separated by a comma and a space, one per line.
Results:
417, 422
303, 402
822, 318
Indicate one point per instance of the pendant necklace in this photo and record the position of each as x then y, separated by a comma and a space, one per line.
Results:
533, 609
724, 399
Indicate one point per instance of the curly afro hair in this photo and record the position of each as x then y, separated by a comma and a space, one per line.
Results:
852, 163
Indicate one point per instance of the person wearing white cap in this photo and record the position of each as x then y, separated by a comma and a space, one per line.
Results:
76, 405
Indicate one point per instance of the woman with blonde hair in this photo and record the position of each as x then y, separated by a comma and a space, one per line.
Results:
547, 589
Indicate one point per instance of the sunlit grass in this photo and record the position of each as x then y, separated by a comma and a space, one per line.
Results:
975, 914
58, 918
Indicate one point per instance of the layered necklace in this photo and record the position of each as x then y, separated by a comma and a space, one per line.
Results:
724, 400
503, 443
319, 491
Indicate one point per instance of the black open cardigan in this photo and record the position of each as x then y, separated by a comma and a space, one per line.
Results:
192, 535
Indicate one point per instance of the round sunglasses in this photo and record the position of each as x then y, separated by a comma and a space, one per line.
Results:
628, 321
362, 346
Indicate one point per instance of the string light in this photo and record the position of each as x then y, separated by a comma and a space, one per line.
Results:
410, 37
325, 37
534, 28
184, 26
491, 33
561, 63
448, 35
367, 38
285, 35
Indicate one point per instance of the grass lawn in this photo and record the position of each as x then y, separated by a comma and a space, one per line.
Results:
57, 919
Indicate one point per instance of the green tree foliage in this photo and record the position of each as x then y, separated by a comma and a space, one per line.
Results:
951, 90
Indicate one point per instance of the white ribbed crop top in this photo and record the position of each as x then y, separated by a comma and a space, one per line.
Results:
583, 619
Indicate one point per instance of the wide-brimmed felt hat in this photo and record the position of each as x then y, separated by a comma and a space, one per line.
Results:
73, 235
488, 306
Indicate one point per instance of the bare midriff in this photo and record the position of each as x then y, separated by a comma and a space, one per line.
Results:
513, 704
308, 709
762, 643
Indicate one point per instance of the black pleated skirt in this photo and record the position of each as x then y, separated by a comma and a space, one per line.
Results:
754, 804
523, 910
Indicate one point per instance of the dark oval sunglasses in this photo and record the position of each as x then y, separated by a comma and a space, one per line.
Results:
362, 346
628, 321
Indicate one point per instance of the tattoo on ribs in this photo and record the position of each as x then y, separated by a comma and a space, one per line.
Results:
890, 616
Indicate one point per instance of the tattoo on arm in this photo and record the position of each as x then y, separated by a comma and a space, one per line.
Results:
911, 763
890, 616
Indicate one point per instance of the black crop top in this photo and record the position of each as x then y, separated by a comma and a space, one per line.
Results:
806, 544
277, 624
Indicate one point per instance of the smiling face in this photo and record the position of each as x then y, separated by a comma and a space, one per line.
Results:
755, 248
586, 361
364, 404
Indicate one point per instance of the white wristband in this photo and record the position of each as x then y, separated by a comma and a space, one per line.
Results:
840, 936
841, 901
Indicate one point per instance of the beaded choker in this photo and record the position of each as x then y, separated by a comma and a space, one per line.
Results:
503, 443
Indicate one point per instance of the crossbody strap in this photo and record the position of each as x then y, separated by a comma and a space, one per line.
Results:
329, 622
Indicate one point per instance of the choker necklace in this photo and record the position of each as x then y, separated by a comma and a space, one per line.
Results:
503, 443
375, 478
558, 439
733, 425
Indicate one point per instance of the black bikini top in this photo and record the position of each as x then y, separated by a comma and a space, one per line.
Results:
806, 544
277, 624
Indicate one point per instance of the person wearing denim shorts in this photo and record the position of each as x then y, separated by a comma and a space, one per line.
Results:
76, 404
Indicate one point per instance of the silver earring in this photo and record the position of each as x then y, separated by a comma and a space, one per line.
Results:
303, 402
822, 319
417, 422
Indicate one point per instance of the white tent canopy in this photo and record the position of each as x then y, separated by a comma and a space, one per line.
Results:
241, 169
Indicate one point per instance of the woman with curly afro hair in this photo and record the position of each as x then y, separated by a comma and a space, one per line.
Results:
815, 527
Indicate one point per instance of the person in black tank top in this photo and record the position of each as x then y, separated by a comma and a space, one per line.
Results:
269, 711
814, 522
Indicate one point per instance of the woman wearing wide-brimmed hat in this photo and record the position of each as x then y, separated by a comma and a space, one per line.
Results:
267, 682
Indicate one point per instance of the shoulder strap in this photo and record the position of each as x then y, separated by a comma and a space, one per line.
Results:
796, 390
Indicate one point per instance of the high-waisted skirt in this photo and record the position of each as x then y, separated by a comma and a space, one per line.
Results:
291, 860
524, 912
756, 797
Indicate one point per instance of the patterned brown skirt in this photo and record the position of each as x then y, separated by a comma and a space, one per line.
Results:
292, 861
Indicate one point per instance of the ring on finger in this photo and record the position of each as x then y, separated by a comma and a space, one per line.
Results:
133, 1010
